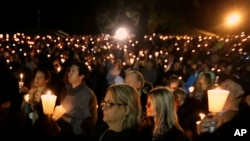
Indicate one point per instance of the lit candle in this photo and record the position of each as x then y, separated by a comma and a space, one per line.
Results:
21, 83
216, 99
48, 103
26, 97
150, 56
191, 89
59, 111
202, 116
58, 69
198, 123
156, 54
21, 77
198, 130
181, 59
131, 60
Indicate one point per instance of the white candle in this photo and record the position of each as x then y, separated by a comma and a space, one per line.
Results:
48, 103
21, 77
20, 83
198, 130
59, 111
217, 99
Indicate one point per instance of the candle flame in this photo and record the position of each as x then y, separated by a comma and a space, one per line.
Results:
191, 89
49, 92
27, 97
202, 116
21, 77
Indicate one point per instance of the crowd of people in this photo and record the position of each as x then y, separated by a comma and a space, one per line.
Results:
151, 89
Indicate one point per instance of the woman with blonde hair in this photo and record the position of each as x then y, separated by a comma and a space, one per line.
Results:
161, 107
121, 114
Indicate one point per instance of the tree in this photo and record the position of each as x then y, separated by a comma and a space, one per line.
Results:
144, 16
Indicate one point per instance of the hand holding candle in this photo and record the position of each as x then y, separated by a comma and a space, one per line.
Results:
208, 124
58, 113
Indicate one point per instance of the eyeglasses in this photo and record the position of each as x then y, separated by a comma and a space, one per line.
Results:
109, 105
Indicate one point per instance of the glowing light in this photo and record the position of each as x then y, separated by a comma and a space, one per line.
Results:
202, 116
121, 34
48, 103
216, 99
233, 19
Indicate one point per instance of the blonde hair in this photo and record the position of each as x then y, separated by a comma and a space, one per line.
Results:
166, 112
127, 95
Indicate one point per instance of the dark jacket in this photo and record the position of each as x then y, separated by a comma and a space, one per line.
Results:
103, 134
166, 134
172, 134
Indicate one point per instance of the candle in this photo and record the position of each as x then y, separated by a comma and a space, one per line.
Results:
191, 89
21, 77
198, 130
156, 54
217, 99
26, 97
131, 60
202, 116
59, 111
58, 69
21, 83
48, 103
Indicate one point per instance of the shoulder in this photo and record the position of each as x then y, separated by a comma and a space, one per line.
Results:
87, 90
99, 131
102, 133
130, 135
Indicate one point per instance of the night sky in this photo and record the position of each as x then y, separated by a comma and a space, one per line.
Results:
78, 17
44, 14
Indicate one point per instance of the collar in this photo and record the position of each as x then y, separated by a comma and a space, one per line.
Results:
76, 89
